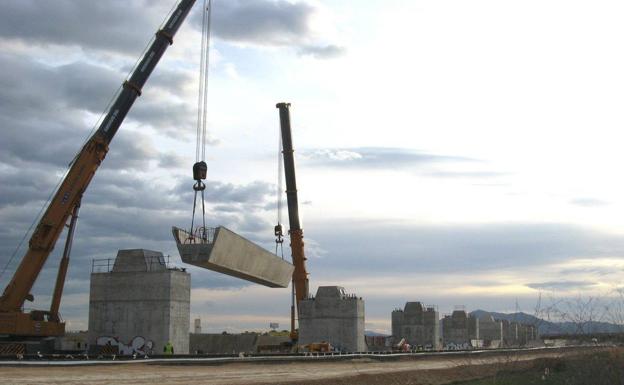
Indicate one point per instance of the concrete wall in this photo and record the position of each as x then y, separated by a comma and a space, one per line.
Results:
335, 317
208, 343
459, 328
72, 342
140, 305
419, 325
222, 343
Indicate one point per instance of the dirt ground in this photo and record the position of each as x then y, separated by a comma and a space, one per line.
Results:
361, 371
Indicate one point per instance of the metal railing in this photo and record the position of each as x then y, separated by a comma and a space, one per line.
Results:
201, 235
152, 263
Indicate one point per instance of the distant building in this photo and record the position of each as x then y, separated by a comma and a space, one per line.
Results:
490, 331
460, 329
419, 325
518, 334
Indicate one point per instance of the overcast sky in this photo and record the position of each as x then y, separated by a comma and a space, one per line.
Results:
449, 152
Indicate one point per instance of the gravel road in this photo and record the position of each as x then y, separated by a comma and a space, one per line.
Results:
406, 370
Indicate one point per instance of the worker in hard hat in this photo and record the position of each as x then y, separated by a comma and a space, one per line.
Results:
168, 349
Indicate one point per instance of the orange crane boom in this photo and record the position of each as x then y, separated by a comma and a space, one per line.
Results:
300, 274
13, 320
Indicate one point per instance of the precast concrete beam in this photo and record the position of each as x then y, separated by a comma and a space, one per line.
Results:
228, 253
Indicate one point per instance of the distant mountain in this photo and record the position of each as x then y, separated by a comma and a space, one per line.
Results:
547, 327
371, 333
512, 317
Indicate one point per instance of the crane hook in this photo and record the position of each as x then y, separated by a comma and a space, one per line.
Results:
200, 169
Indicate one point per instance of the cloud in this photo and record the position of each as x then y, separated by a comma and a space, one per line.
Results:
171, 160
465, 174
271, 23
589, 202
593, 269
128, 25
391, 248
374, 157
57, 102
562, 285
121, 211
261, 22
256, 192
329, 51
388, 158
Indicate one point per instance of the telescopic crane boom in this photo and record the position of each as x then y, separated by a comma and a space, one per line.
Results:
300, 275
13, 320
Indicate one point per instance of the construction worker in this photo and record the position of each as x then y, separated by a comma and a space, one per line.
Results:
168, 349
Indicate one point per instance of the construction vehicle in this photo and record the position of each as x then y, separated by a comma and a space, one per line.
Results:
402, 346
318, 347
300, 275
15, 323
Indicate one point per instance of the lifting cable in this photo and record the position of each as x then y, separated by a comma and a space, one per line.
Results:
200, 168
279, 230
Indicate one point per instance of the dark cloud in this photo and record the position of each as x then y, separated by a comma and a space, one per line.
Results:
124, 211
20, 187
256, 192
249, 193
262, 22
115, 25
270, 23
592, 270
465, 174
171, 160
126, 27
562, 285
51, 109
174, 119
330, 51
391, 248
371, 158
589, 202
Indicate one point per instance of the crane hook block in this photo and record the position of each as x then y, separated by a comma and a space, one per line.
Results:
200, 169
279, 230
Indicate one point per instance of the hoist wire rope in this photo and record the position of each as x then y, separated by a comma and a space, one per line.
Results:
279, 179
279, 242
200, 96
202, 113
206, 77
202, 100
84, 142
21, 242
